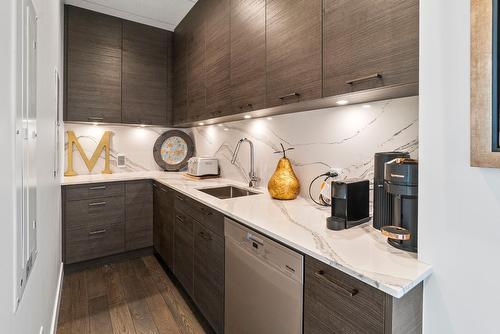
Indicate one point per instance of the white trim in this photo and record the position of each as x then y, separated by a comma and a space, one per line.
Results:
57, 301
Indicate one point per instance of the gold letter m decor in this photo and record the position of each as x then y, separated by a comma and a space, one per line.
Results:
103, 144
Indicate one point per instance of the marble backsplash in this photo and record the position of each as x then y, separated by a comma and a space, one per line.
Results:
344, 138
135, 142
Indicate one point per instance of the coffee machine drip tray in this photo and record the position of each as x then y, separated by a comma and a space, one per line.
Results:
395, 237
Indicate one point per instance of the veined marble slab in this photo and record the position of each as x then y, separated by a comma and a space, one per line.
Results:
361, 252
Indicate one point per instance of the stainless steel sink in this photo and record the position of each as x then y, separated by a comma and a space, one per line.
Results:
227, 192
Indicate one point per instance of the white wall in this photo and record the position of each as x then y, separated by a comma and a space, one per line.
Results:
37, 304
459, 224
7, 98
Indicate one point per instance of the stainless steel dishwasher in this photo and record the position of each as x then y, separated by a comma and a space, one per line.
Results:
264, 284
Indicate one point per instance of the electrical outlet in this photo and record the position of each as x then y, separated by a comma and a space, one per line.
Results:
339, 171
121, 160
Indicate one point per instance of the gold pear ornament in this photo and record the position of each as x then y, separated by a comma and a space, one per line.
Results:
284, 184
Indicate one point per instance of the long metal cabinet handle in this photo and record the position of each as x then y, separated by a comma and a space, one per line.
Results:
98, 188
346, 292
98, 204
294, 94
368, 77
98, 119
255, 239
97, 232
179, 219
179, 198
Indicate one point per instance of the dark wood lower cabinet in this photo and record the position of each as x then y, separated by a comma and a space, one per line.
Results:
335, 302
138, 215
164, 219
209, 275
105, 219
109, 218
183, 251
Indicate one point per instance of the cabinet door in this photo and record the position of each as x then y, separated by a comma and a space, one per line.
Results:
180, 74
183, 251
217, 59
339, 302
167, 213
138, 215
157, 199
209, 275
368, 44
196, 62
248, 55
145, 75
293, 51
93, 66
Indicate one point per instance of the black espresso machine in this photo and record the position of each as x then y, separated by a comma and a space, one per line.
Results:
401, 182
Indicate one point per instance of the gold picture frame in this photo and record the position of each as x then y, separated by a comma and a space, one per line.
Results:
481, 85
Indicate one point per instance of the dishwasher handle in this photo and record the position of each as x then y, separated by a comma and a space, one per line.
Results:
253, 238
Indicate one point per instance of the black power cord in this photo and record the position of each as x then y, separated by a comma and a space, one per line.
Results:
330, 174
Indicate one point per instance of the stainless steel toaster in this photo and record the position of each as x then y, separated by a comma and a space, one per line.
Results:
203, 166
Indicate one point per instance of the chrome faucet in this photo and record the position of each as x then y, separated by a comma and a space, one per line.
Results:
253, 178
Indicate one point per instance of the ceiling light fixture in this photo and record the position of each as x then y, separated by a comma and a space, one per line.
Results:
269, 118
366, 106
201, 124
247, 117
342, 102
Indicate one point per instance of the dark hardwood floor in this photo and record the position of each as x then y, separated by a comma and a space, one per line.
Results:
132, 296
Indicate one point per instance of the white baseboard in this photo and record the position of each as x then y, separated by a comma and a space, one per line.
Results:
57, 301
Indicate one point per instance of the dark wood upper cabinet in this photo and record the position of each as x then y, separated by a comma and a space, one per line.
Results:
293, 48
145, 87
196, 91
93, 60
180, 57
217, 58
117, 71
369, 44
248, 55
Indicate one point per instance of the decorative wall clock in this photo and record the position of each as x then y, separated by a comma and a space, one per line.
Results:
172, 150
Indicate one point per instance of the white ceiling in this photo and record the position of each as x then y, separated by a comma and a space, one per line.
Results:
165, 14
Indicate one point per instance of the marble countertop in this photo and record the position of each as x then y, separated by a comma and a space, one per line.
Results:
361, 252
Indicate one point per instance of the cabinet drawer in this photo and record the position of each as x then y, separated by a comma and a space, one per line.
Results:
341, 302
91, 212
94, 190
92, 242
203, 214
